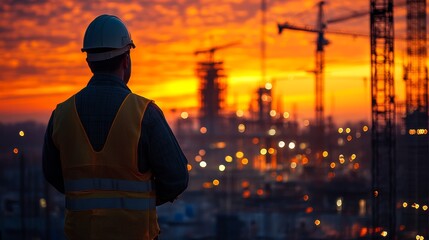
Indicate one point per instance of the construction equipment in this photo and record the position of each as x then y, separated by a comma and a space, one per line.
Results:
383, 120
415, 187
212, 86
321, 42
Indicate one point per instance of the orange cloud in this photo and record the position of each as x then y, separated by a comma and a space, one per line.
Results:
40, 47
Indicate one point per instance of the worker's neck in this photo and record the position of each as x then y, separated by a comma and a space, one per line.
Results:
118, 73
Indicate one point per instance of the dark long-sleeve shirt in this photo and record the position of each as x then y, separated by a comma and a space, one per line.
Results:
158, 150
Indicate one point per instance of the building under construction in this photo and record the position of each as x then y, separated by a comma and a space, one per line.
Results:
413, 148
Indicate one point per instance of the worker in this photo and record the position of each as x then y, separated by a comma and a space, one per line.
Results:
110, 151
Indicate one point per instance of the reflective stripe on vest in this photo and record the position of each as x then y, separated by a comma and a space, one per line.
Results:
82, 204
107, 184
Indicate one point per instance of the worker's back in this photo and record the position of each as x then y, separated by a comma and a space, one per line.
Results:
111, 152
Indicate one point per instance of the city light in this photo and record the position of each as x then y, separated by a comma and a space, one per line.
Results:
418, 237
268, 86
272, 132
305, 197
241, 128
216, 182
362, 207
228, 158
340, 130
198, 158
291, 145
203, 130
260, 192
15, 150
304, 160
332, 165
273, 113
352, 157
271, 150
239, 154
282, 144
184, 115
263, 151
339, 202
365, 128
384, 234
325, 154
306, 123
222, 167
358, 135
246, 194
202, 152
404, 204
341, 158
203, 164
348, 130
425, 207
286, 115
349, 138
309, 210
21, 133
239, 113
189, 166
42, 203
317, 222
293, 165
244, 161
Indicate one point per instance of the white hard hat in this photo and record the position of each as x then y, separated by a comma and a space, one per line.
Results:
106, 32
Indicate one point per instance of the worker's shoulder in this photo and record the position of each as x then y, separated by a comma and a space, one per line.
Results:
142, 98
68, 100
153, 114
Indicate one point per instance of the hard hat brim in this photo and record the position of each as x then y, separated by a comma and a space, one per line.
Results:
93, 57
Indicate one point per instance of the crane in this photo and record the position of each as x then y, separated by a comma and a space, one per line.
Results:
211, 51
212, 86
414, 187
320, 29
321, 42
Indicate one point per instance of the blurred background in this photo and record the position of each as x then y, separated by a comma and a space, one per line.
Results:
300, 119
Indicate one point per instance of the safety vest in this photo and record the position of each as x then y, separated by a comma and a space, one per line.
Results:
106, 195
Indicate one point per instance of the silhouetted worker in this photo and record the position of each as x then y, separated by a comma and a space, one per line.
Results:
110, 151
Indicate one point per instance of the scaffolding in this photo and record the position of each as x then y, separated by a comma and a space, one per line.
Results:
415, 164
383, 120
212, 92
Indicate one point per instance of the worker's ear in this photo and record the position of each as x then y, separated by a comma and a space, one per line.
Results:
126, 61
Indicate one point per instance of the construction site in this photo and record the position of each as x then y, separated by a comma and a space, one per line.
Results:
262, 174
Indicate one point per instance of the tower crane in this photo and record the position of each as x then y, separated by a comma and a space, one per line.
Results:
321, 42
211, 51
212, 86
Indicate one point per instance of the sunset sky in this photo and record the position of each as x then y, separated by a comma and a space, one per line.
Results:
42, 65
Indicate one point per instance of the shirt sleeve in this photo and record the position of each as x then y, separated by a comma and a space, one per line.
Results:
160, 152
51, 160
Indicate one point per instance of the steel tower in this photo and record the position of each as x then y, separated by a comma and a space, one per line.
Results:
415, 164
383, 119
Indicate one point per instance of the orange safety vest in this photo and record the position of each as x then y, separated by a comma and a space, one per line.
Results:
106, 195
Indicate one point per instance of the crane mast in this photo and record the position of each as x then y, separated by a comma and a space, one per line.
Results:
383, 119
415, 165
